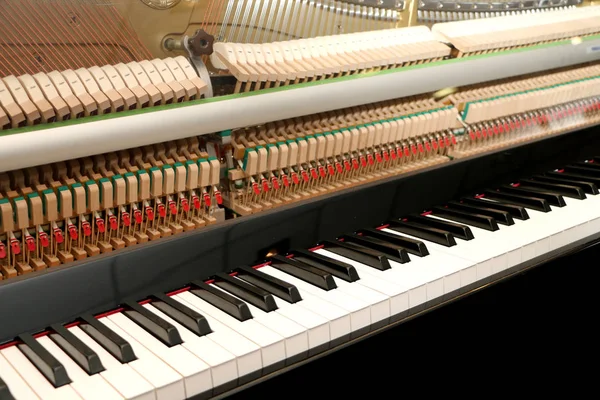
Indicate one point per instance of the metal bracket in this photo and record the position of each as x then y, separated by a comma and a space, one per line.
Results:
199, 66
478, 6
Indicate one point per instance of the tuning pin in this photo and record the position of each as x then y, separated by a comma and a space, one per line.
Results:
2, 251
87, 228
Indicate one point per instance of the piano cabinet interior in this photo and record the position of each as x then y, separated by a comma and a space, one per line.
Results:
102, 282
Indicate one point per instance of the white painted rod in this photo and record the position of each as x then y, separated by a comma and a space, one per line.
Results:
80, 140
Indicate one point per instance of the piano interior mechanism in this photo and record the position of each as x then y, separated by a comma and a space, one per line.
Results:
232, 188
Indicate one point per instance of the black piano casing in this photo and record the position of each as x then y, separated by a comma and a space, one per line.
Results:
31, 303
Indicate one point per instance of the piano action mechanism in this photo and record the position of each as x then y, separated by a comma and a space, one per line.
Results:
125, 123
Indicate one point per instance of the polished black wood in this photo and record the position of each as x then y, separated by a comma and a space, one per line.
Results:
105, 281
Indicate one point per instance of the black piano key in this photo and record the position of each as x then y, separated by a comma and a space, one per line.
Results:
336, 268
108, 339
423, 231
45, 362
515, 211
554, 199
561, 188
587, 187
278, 287
411, 246
152, 323
187, 317
586, 171
363, 255
473, 219
534, 203
391, 251
5, 393
223, 301
246, 292
314, 276
85, 357
574, 176
457, 230
500, 216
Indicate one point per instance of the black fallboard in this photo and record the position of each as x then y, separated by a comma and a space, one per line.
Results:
31, 303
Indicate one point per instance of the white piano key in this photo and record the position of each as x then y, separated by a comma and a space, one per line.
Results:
476, 261
89, 387
379, 302
195, 372
19, 389
339, 319
168, 383
309, 315
532, 235
248, 354
34, 378
490, 250
271, 344
317, 326
375, 279
360, 313
222, 363
122, 377
296, 337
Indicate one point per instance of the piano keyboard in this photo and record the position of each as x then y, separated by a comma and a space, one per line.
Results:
220, 332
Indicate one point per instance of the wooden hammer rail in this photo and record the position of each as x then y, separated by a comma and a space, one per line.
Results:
480, 36
58, 96
263, 65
